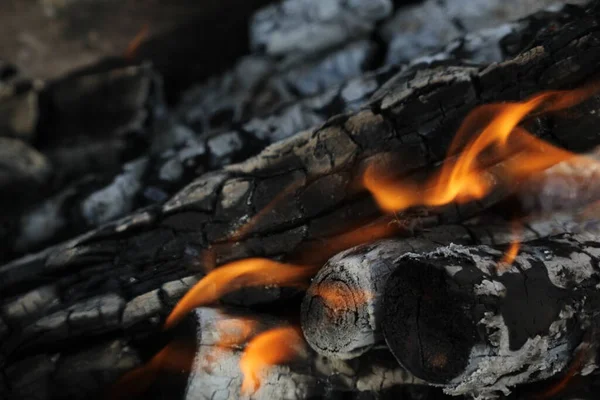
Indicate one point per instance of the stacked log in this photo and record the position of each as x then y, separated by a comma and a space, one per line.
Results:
300, 200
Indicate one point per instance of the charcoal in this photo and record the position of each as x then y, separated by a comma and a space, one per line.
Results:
299, 27
228, 214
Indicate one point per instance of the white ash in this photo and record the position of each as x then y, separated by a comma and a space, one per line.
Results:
541, 355
490, 288
116, 199
564, 272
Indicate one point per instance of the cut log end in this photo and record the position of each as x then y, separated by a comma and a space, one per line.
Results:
429, 330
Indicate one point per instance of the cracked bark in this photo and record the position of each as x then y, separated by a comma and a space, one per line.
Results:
98, 275
264, 101
342, 310
484, 326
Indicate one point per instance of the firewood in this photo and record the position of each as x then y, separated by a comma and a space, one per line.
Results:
216, 368
90, 280
458, 318
177, 154
343, 308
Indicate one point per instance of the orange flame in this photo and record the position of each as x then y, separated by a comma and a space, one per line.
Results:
575, 367
272, 347
463, 178
338, 296
511, 253
513, 249
319, 251
231, 333
235, 275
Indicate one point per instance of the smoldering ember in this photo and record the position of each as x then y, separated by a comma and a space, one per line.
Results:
300, 199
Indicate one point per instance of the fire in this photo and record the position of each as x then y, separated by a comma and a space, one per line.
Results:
337, 296
235, 275
511, 253
272, 347
574, 368
231, 333
490, 139
319, 252
514, 247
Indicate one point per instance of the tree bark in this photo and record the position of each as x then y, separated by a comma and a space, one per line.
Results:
88, 283
460, 318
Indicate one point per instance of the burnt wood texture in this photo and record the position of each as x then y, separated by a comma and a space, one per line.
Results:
458, 317
107, 291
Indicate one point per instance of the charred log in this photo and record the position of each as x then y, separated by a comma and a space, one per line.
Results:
342, 310
178, 154
460, 318
90, 280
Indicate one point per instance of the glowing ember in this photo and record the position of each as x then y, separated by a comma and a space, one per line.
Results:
236, 331
272, 347
233, 276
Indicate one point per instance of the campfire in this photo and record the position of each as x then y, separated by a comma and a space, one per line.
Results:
384, 199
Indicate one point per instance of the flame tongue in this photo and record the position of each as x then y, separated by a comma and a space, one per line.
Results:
272, 347
495, 150
230, 277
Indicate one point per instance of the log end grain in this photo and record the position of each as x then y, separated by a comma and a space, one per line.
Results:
427, 323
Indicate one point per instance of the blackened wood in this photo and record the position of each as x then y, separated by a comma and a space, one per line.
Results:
89, 125
178, 155
461, 318
132, 260
343, 308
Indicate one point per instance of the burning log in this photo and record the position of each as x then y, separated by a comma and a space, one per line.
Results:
230, 360
343, 308
177, 153
459, 318
296, 201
